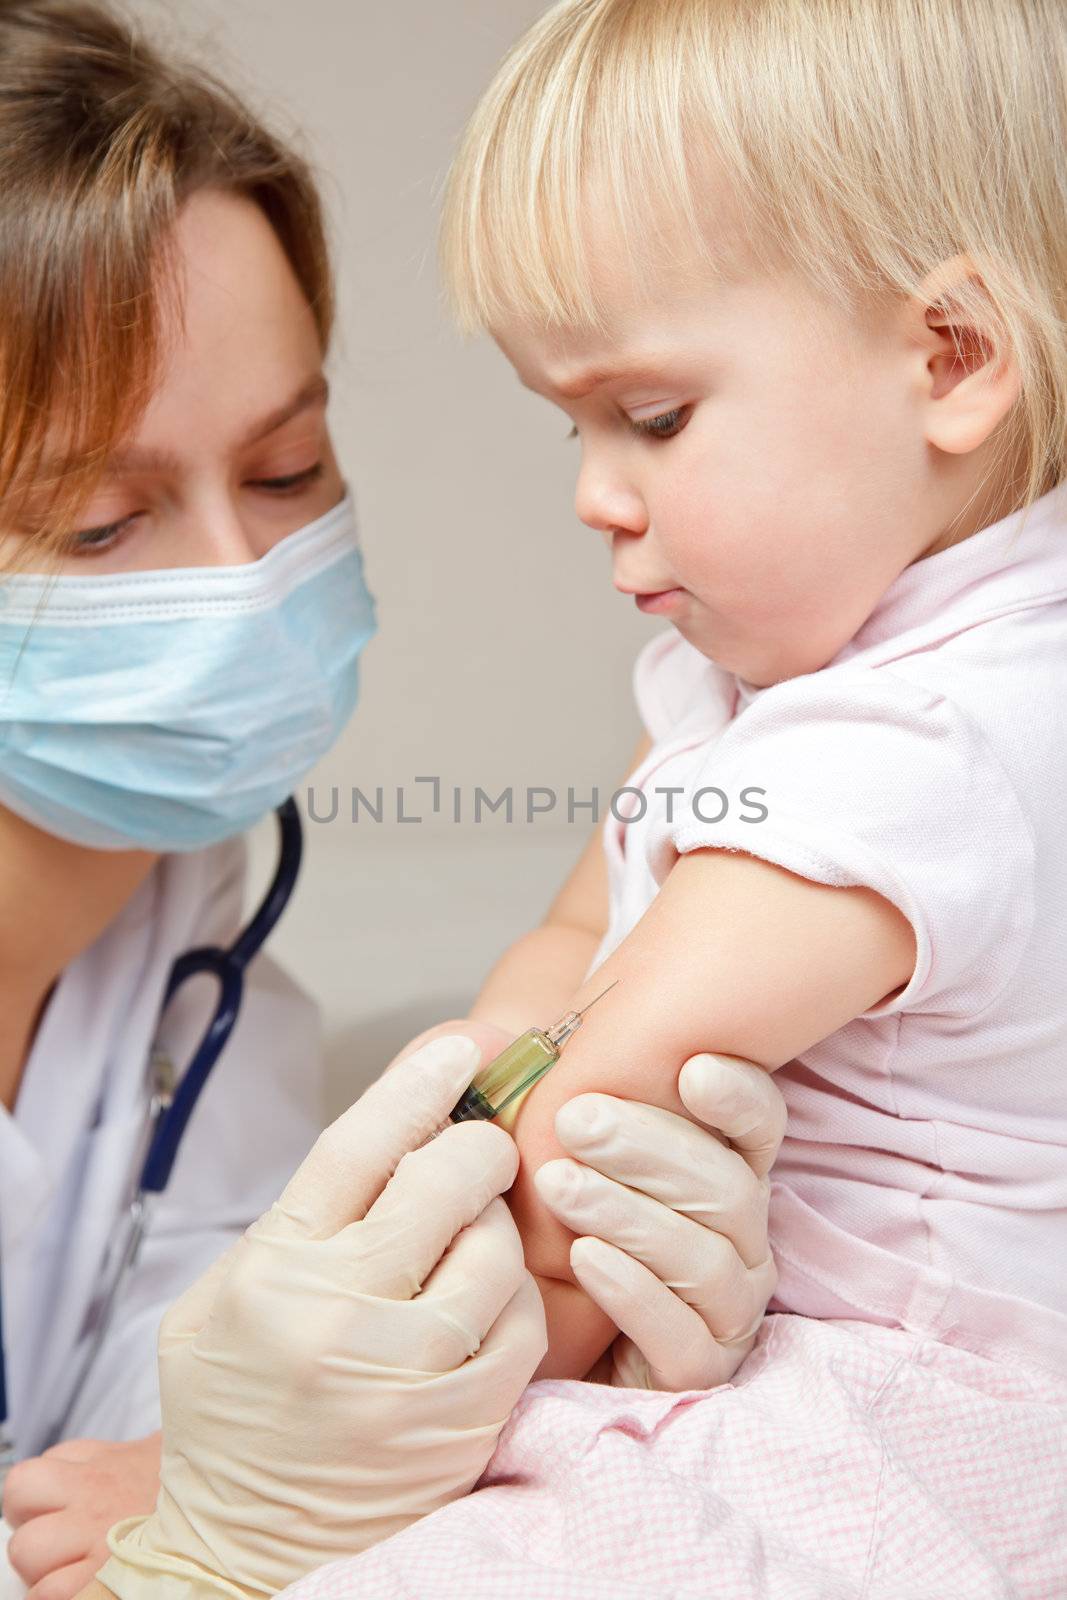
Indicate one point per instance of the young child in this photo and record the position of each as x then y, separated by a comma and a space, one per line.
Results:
797, 273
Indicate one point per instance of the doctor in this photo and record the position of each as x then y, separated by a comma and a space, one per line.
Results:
178, 644
182, 609
179, 634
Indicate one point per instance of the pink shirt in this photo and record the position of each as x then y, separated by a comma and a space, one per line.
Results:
923, 1179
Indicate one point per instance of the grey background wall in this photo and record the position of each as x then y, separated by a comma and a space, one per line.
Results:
504, 656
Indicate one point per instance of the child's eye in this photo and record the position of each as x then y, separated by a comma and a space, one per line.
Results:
665, 426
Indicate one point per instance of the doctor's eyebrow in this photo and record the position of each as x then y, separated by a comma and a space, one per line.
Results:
315, 392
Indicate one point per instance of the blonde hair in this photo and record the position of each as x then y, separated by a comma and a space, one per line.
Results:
862, 142
101, 142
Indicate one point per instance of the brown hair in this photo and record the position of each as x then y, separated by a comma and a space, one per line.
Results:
101, 142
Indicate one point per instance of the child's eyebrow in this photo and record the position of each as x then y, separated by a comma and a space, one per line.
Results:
580, 383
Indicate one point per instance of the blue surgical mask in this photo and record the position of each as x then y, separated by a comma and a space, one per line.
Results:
167, 710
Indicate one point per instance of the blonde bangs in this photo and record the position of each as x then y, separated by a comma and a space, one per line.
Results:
857, 143
593, 99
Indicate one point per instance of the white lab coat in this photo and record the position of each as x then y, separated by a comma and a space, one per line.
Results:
67, 1154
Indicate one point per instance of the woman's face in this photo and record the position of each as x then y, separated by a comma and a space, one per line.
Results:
232, 452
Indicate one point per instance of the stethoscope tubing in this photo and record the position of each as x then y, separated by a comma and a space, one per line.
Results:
228, 966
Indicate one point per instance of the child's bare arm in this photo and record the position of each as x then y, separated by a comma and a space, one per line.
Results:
734, 954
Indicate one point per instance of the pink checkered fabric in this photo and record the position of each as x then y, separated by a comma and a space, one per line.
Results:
846, 1461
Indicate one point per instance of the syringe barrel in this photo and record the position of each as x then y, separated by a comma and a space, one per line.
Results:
505, 1079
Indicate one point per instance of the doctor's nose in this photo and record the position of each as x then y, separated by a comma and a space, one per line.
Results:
605, 501
222, 535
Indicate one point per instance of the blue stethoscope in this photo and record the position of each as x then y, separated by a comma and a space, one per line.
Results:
171, 1105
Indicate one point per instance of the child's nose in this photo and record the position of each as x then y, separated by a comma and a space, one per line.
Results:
606, 501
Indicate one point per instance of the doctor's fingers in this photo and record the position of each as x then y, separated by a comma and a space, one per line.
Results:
68, 1582
739, 1098
509, 1356
51, 1482
37, 1486
663, 1343
673, 1161
432, 1195
468, 1290
46, 1543
696, 1263
353, 1159
185, 1317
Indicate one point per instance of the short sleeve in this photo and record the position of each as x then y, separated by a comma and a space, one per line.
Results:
870, 779
677, 690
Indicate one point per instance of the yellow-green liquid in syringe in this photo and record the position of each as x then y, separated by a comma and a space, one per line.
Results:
500, 1085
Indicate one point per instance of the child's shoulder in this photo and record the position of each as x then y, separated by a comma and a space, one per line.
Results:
995, 689
872, 776
681, 693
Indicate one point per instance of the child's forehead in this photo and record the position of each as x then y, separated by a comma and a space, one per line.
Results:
622, 291
691, 329
680, 325
571, 360
637, 281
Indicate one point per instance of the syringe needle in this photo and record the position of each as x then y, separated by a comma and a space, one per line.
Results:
600, 996
518, 1067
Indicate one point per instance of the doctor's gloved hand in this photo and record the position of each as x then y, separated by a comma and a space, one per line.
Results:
348, 1365
673, 1221
672, 1215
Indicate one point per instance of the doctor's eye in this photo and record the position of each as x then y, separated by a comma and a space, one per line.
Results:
665, 426
573, 433
94, 541
291, 484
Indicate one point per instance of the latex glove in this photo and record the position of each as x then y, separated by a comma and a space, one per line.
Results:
348, 1365
672, 1221
61, 1504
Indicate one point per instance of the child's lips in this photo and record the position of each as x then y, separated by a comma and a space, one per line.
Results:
661, 601
653, 600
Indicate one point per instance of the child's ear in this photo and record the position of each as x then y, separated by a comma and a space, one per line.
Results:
970, 386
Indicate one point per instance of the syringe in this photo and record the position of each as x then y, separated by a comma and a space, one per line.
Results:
518, 1067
